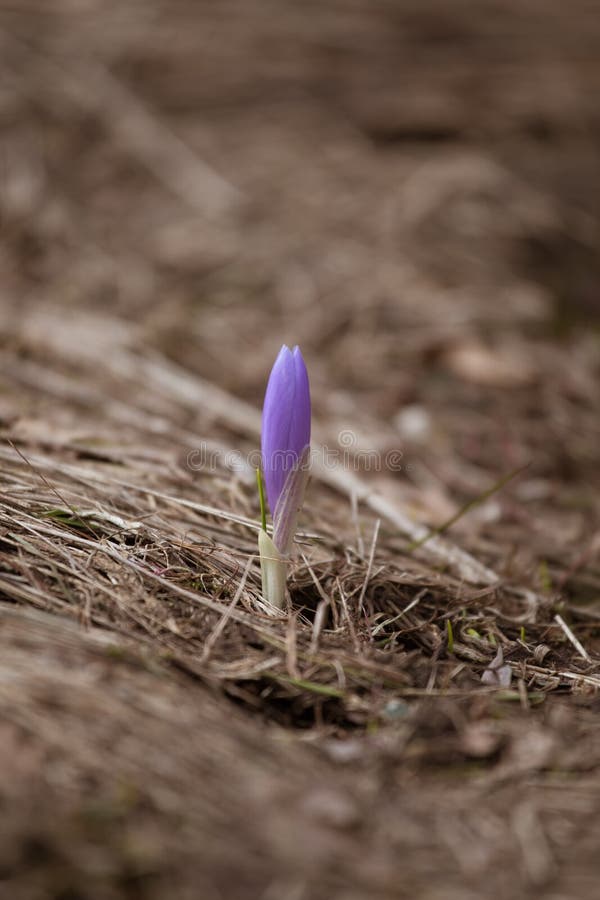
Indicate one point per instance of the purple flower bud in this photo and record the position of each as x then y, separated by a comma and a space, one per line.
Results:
285, 421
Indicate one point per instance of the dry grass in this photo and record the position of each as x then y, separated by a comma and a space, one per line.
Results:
103, 543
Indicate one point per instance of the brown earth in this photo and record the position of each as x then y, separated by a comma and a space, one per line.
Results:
411, 192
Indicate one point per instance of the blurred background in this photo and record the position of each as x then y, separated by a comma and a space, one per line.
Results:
410, 191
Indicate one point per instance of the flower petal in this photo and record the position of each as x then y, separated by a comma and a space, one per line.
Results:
286, 421
276, 423
300, 426
290, 503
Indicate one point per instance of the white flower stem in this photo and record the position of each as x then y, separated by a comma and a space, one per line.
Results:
273, 571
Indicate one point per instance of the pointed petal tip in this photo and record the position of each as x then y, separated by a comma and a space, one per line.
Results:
283, 353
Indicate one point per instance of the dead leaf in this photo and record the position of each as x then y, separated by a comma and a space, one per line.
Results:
474, 362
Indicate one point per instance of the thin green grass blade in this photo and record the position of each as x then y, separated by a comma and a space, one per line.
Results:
468, 506
261, 499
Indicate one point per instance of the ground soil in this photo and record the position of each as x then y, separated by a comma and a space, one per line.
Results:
411, 192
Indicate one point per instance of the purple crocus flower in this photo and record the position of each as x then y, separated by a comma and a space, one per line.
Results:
285, 423
285, 463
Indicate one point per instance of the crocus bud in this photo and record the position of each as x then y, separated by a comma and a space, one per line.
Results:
285, 462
